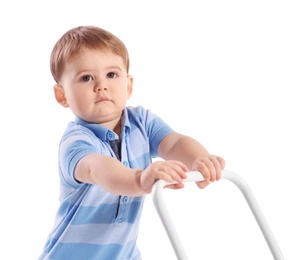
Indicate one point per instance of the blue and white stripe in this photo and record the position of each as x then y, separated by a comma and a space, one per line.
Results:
92, 223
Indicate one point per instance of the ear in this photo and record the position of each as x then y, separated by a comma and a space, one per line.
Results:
129, 86
59, 95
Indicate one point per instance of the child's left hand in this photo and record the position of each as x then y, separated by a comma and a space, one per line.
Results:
211, 167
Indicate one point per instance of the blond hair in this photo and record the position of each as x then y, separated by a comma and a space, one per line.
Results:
90, 37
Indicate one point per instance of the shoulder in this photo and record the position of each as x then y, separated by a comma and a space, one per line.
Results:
138, 110
141, 113
78, 134
76, 129
140, 117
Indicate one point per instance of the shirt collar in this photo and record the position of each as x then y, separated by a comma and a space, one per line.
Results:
103, 132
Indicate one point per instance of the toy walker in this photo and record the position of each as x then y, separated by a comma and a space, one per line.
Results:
195, 176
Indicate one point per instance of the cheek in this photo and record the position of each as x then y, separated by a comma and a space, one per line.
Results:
78, 93
76, 98
120, 92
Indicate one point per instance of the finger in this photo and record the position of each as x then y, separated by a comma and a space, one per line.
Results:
207, 169
180, 167
175, 186
217, 168
178, 170
171, 173
214, 167
203, 184
221, 161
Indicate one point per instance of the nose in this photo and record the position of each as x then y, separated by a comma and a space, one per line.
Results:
100, 86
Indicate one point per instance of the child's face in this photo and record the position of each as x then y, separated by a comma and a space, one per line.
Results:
95, 85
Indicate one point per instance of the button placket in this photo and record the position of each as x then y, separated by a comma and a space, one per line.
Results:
122, 209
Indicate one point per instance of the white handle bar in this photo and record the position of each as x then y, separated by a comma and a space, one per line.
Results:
195, 176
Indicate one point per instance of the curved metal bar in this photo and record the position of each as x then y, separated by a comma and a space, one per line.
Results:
195, 176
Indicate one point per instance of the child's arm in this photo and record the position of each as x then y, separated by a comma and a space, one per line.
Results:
176, 146
113, 176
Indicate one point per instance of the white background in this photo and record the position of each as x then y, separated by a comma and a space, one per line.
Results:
231, 74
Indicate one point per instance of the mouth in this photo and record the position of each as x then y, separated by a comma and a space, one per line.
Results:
102, 99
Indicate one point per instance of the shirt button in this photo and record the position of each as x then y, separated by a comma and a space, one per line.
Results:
110, 135
125, 199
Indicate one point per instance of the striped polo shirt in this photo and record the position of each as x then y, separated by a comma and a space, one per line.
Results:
91, 223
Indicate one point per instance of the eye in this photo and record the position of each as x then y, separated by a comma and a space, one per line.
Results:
86, 78
111, 75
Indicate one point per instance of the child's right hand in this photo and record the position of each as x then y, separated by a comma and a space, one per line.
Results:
169, 171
